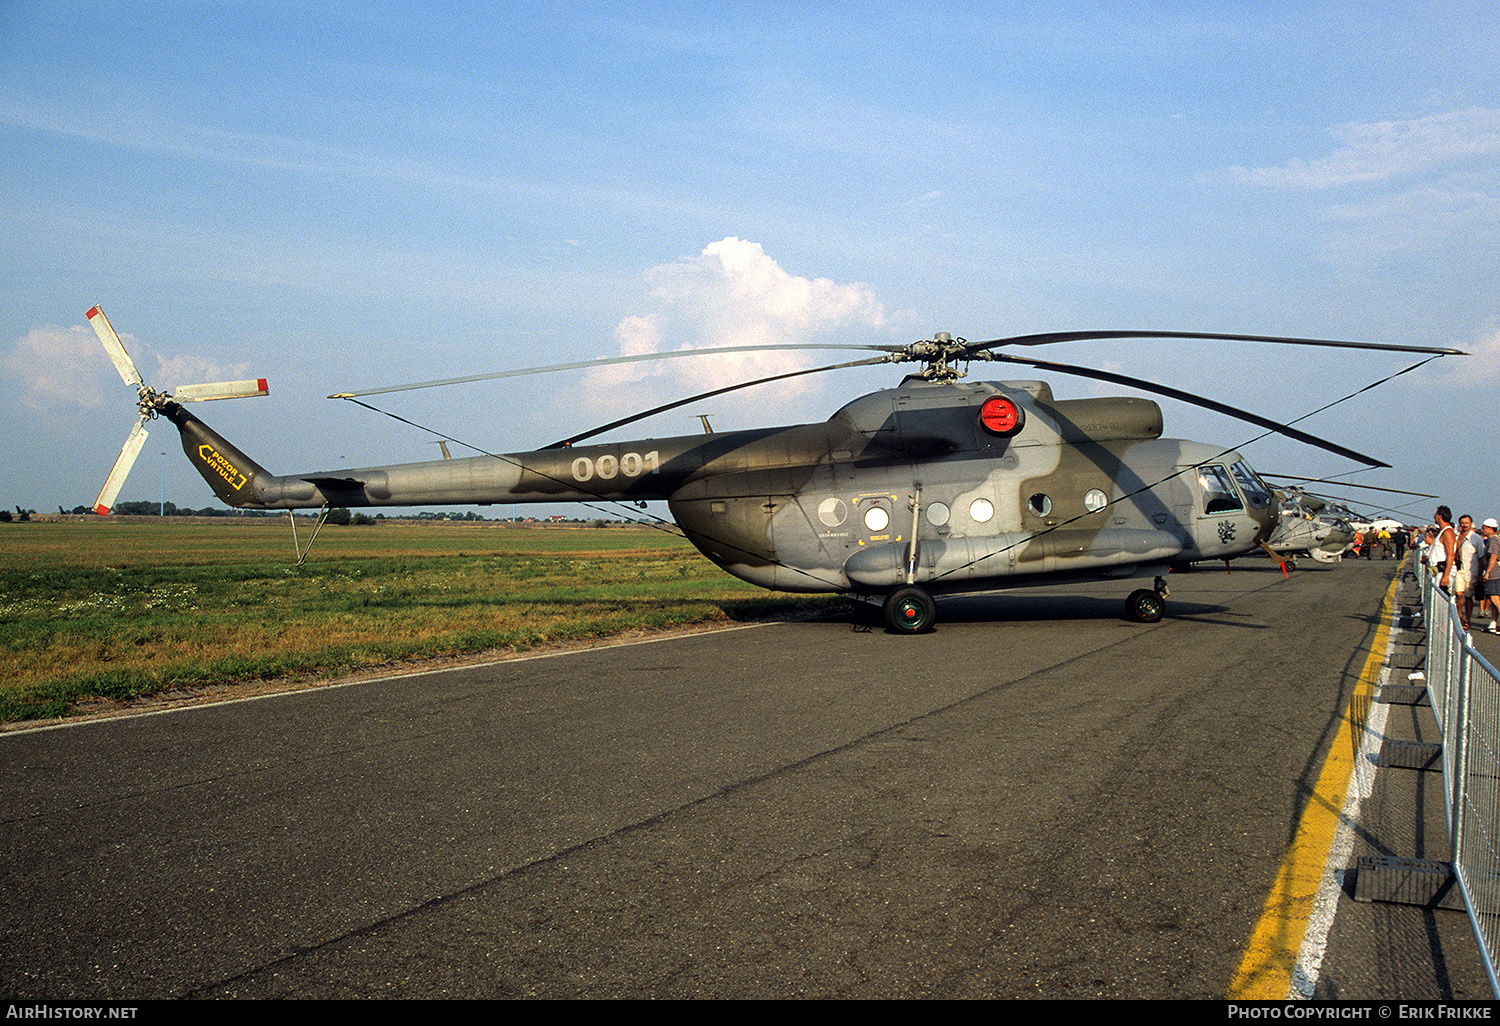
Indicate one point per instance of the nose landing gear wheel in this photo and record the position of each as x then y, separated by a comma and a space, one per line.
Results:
910, 610
1145, 606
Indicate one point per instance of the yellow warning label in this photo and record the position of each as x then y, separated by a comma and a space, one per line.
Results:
221, 466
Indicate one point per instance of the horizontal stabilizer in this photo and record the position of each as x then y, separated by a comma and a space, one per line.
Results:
329, 481
117, 475
222, 390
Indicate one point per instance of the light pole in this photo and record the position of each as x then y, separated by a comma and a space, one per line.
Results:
162, 464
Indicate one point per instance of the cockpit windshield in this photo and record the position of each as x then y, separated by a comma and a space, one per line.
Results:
1256, 492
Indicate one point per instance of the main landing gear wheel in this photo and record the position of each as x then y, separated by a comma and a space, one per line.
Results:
910, 610
1145, 606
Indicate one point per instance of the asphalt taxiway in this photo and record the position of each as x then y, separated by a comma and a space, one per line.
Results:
1039, 799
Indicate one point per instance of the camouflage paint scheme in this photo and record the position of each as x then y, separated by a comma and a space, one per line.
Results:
903, 486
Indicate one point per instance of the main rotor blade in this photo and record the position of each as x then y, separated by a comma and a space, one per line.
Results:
709, 395
1345, 484
1196, 400
121, 469
114, 347
222, 390
1050, 337
605, 362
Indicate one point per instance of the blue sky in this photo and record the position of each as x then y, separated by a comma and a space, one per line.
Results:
340, 195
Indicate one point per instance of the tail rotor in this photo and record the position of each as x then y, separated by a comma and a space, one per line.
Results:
151, 402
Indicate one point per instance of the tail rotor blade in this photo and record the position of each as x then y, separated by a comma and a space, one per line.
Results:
114, 347
222, 390
116, 479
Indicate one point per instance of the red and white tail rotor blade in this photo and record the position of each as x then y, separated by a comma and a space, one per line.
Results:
151, 402
116, 479
114, 347
222, 390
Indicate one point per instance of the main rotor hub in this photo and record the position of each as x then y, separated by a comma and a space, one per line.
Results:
939, 354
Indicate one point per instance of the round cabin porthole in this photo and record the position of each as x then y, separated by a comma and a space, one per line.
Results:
1040, 504
937, 514
877, 519
1094, 500
981, 511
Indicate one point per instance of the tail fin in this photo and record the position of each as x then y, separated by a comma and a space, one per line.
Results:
234, 477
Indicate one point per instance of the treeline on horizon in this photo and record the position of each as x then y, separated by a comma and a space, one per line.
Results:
338, 515
171, 509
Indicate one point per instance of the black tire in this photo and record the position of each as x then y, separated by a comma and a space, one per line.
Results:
1145, 606
910, 610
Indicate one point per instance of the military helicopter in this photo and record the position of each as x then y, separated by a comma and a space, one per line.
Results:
1309, 526
931, 488
1323, 526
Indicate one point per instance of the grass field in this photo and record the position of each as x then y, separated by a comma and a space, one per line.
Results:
99, 612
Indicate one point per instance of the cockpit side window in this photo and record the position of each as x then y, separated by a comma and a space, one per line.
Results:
1256, 493
1219, 495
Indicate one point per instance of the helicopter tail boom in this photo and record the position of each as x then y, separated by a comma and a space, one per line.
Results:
594, 473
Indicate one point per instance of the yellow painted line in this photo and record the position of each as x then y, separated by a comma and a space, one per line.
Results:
1265, 971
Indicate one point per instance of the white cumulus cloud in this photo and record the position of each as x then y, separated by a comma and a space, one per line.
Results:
733, 294
62, 367
65, 367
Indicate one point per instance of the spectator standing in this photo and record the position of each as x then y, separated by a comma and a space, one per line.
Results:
1442, 546
1489, 563
1466, 548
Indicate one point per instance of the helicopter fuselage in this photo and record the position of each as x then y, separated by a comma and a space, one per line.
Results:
947, 486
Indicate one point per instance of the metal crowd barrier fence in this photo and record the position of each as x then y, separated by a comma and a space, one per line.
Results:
1465, 693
